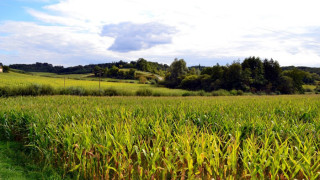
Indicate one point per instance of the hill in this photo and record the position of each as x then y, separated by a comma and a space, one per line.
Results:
303, 68
127, 87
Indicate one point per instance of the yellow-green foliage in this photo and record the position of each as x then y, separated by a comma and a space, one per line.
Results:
306, 86
267, 137
13, 79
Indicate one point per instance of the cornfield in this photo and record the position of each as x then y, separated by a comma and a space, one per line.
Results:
266, 137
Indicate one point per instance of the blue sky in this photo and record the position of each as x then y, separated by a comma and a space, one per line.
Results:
206, 32
16, 10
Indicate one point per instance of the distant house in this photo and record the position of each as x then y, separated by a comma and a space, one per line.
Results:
1, 69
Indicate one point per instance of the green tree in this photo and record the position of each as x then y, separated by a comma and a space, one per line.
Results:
98, 71
113, 72
194, 71
232, 76
286, 85
297, 78
254, 64
6, 69
272, 73
177, 70
143, 65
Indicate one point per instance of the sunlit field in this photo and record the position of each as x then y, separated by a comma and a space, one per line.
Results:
259, 137
13, 79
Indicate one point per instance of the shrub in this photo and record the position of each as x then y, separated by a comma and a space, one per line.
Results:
187, 94
111, 92
240, 93
158, 94
234, 92
96, 92
220, 92
4, 91
144, 92
30, 90
74, 91
202, 93
142, 80
47, 90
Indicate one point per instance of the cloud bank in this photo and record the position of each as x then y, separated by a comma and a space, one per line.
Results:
133, 37
71, 32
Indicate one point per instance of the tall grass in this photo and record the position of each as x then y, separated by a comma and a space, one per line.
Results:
169, 138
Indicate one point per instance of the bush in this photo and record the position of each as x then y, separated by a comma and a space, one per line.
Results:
220, 92
202, 93
142, 80
187, 94
74, 91
111, 92
261, 93
144, 92
234, 92
4, 91
96, 92
158, 94
30, 90
47, 90
240, 93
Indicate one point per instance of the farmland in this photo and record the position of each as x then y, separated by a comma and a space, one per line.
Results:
14, 79
258, 137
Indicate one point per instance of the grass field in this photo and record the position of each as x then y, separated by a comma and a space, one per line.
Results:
14, 79
89, 77
259, 137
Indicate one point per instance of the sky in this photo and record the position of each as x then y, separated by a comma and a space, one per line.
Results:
205, 32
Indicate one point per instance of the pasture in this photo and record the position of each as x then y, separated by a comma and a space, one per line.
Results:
14, 79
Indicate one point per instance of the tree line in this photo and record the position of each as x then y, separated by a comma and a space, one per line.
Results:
114, 72
141, 64
252, 75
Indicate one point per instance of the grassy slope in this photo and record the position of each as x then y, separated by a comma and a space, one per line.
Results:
17, 79
89, 77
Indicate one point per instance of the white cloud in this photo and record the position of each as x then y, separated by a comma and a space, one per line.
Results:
205, 29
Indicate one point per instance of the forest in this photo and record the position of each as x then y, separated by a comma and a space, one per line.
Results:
252, 75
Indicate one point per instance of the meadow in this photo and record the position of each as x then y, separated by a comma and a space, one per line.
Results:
126, 87
256, 137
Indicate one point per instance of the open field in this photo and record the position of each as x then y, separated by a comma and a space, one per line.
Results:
89, 77
259, 137
13, 79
